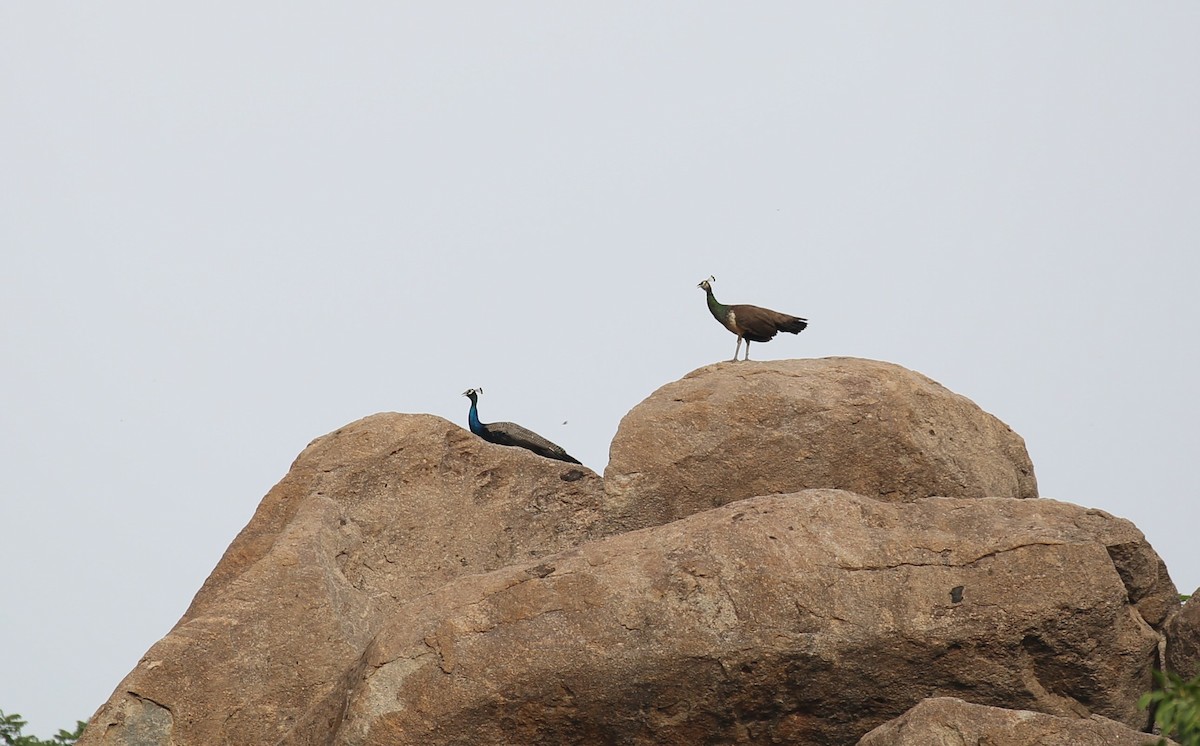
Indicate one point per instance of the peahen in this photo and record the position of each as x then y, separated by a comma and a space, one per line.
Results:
751, 323
511, 434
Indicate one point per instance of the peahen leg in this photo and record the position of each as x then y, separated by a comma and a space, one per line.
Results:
738, 349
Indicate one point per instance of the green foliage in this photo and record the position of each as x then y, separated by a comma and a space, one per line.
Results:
1176, 706
12, 725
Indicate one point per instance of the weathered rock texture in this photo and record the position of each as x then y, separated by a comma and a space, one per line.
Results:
407, 582
370, 516
735, 430
946, 721
1183, 639
806, 618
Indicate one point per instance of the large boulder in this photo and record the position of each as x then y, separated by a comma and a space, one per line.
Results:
407, 582
946, 721
1183, 639
734, 430
368, 518
806, 618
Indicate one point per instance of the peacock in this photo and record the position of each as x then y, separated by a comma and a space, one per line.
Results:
751, 323
512, 434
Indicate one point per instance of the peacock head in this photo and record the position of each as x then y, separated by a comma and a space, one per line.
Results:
473, 394
705, 284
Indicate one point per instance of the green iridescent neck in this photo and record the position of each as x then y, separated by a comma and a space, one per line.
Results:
718, 311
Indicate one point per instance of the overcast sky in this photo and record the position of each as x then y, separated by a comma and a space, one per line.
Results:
230, 228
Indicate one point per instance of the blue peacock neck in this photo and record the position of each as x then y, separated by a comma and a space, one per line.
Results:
473, 418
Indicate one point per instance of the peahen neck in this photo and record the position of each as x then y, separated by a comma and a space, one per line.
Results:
473, 419
718, 311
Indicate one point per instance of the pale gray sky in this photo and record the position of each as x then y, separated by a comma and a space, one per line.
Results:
229, 228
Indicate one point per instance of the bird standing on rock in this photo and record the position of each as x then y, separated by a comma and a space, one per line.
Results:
751, 323
512, 434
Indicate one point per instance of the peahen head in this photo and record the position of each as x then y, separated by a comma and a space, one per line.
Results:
719, 312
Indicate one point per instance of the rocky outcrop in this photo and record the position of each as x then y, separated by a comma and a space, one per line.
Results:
946, 721
805, 618
1183, 639
407, 582
369, 517
735, 430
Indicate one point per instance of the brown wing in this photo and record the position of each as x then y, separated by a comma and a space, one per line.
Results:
762, 324
512, 434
